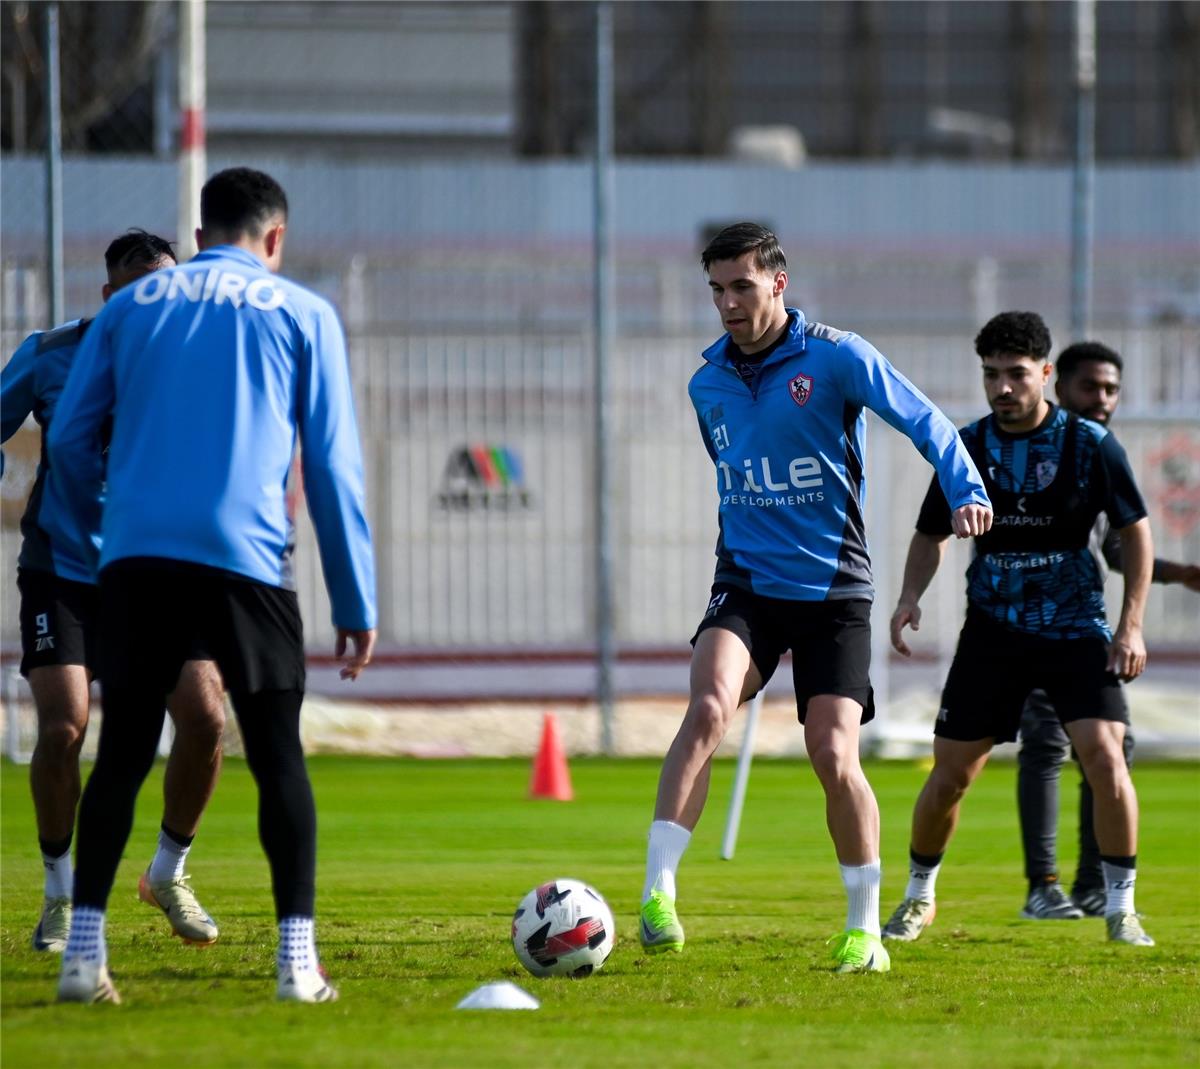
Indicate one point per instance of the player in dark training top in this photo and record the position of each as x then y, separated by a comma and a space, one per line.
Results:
781, 404
1035, 614
60, 639
1087, 383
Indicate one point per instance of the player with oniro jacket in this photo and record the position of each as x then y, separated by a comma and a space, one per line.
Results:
212, 373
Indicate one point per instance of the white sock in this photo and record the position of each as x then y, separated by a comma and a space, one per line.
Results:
168, 860
86, 940
668, 841
59, 876
862, 891
922, 880
1119, 883
296, 945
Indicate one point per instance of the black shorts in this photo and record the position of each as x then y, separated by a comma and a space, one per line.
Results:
830, 641
155, 614
995, 669
58, 621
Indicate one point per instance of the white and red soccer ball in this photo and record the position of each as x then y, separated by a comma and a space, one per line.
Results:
563, 928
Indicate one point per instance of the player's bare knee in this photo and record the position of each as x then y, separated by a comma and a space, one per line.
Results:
197, 705
948, 784
199, 724
709, 714
834, 763
60, 740
1105, 769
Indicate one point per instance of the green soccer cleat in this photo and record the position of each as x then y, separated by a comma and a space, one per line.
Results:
857, 951
660, 928
53, 927
178, 901
911, 918
1126, 928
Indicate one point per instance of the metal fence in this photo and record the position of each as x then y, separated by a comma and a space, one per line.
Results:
466, 293
479, 462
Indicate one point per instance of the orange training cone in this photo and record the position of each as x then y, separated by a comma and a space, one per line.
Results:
550, 776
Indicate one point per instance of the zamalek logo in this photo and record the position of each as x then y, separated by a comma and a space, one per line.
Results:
801, 388
1045, 472
484, 477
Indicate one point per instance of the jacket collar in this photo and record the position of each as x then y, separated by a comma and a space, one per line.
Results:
230, 252
719, 352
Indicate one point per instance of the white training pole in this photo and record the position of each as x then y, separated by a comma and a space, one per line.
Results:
166, 737
13, 747
193, 77
741, 779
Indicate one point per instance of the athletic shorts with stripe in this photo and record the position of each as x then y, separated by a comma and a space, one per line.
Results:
830, 641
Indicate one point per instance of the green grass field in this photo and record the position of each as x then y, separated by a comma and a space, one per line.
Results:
422, 862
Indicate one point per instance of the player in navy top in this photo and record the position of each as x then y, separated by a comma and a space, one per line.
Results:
59, 641
212, 373
1087, 383
1035, 614
781, 404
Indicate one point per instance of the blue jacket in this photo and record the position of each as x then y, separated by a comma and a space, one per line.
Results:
211, 371
790, 452
32, 382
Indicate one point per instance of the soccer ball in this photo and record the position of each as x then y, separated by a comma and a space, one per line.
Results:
563, 928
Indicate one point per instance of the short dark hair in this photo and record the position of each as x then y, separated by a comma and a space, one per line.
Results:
1073, 355
740, 238
1018, 333
241, 200
137, 248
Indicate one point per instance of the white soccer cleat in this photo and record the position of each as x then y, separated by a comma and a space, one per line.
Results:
53, 927
85, 981
911, 918
1127, 928
189, 920
304, 985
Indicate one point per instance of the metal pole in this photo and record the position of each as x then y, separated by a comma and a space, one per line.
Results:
603, 191
54, 198
741, 779
192, 157
1084, 175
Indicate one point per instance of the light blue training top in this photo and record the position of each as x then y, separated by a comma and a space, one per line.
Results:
211, 371
788, 437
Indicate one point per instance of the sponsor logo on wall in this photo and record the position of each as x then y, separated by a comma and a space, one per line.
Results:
484, 478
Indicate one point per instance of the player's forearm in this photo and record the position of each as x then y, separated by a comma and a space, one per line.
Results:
1164, 571
1137, 563
1172, 571
924, 556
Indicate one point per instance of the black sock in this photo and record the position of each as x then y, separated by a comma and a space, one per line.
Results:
1121, 862
930, 861
183, 841
56, 848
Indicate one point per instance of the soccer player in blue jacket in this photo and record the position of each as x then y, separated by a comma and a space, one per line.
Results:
59, 640
1035, 615
211, 373
781, 404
